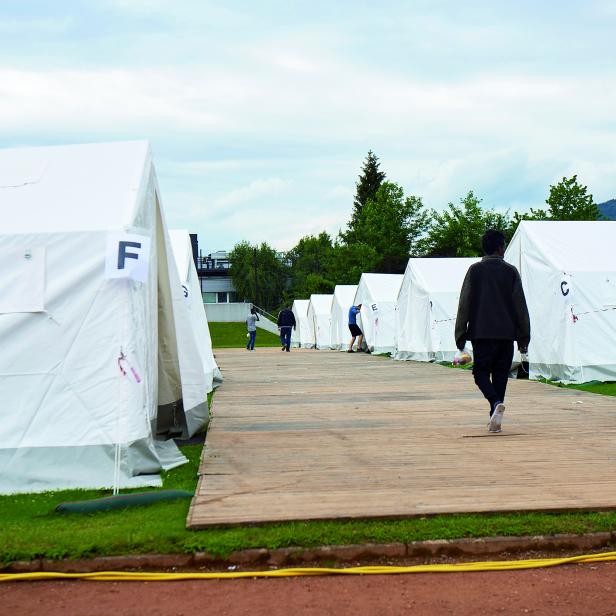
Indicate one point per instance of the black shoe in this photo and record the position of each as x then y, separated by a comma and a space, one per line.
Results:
360, 350
350, 351
288, 350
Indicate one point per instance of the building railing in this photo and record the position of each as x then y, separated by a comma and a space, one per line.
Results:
209, 264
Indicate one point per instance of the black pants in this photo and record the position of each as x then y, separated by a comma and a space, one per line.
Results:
491, 365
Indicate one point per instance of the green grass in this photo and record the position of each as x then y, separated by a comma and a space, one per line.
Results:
233, 336
30, 528
605, 389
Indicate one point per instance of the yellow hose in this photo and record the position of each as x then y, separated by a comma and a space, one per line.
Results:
130, 576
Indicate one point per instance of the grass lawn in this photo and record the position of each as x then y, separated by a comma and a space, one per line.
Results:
233, 336
30, 528
606, 389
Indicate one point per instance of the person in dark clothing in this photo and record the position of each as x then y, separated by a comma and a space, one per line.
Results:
286, 323
492, 313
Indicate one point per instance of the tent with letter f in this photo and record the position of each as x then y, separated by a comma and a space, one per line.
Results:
92, 320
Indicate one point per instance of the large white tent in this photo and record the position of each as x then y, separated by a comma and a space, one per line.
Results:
568, 272
319, 312
344, 294
303, 334
91, 321
191, 291
378, 293
427, 308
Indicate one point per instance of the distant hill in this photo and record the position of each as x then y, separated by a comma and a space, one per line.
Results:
608, 209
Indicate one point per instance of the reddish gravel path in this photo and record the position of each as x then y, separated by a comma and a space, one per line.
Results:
562, 591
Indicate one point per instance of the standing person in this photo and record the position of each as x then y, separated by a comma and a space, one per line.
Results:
492, 313
354, 328
251, 323
286, 322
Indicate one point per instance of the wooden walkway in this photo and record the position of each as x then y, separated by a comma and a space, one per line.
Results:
328, 435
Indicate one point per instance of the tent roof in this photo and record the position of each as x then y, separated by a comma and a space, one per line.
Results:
383, 287
345, 293
71, 187
440, 274
571, 245
321, 304
301, 305
182, 251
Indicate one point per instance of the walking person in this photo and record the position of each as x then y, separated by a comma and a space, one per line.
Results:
492, 313
286, 323
354, 329
251, 323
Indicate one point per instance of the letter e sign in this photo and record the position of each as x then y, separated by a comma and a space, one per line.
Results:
128, 256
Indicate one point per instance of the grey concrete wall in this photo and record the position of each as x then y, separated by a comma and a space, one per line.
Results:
227, 313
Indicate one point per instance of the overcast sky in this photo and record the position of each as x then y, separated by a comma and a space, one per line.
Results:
260, 114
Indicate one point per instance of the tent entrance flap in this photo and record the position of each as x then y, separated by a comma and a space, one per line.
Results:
171, 421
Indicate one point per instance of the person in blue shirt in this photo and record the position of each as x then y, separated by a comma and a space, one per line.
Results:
354, 328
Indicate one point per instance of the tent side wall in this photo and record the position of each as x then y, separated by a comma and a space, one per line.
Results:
304, 332
413, 319
378, 314
341, 304
319, 313
572, 309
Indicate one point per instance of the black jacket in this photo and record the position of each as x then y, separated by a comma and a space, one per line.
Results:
286, 318
492, 304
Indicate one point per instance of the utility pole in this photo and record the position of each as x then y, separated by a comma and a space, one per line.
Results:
254, 265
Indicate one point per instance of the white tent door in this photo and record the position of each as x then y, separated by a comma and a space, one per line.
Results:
22, 284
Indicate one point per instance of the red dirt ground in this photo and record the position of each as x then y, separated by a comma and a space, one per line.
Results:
562, 591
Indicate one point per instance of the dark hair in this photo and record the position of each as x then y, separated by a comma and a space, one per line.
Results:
492, 240
253, 311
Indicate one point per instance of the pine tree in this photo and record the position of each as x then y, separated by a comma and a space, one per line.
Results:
369, 182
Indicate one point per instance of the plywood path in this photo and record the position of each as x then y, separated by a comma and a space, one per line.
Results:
328, 435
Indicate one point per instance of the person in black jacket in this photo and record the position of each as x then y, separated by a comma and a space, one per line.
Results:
286, 322
492, 313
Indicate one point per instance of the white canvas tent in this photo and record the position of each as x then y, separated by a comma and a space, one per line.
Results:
427, 308
91, 315
378, 293
319, 312
303, 334
568, 272
191, 291
344, 294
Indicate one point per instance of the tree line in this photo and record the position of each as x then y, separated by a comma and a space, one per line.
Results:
385, 229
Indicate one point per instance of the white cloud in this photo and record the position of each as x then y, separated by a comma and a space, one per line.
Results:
259, 128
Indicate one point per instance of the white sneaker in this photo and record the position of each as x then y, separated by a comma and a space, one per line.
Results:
497, 418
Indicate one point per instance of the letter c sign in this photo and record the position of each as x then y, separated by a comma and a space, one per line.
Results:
564, 288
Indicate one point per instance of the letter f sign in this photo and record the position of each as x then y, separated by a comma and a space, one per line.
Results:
123, 254
127, 256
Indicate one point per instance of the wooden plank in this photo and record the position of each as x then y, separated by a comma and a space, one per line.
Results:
327, 435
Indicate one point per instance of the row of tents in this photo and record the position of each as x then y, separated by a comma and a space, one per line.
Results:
568, 272
106, 348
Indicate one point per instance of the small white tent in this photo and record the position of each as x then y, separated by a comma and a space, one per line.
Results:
341, 304
191, 291
568, 272
303, 334
91, 312
427, 308
378, 293
319, 312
